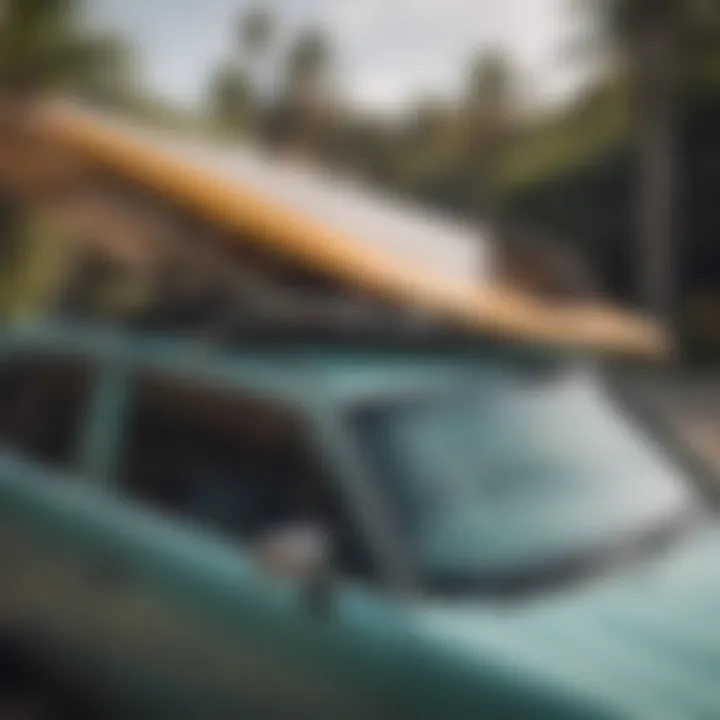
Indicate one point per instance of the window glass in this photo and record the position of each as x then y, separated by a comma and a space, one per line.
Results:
516, 472
44, 405
239, 465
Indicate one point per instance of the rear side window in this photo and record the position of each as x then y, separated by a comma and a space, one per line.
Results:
235, 463
43, 408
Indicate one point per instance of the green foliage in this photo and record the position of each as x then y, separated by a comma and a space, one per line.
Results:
157, 112
42, 48
490, 82
596, 125
256, 30
468, 156
308, 61
593, 205
34, 270
230, 98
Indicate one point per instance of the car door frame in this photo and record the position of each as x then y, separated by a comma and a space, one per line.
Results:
43, 562
395, 570
195, 536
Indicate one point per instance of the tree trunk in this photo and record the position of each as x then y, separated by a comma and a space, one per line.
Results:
654, 75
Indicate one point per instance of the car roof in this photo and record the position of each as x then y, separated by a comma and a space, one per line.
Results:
293, 370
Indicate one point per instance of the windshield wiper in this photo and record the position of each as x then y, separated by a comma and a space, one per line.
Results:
578, 566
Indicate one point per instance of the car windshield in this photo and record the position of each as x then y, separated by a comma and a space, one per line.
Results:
517, 471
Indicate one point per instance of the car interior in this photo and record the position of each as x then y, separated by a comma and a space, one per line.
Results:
232, 463
236, 464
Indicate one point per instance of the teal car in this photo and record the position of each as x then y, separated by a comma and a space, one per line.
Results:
308, 530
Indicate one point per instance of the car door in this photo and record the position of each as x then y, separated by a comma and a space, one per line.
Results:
204, 629
141, 592
136, 581
48, 402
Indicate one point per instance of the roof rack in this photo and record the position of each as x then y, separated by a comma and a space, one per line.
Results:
396, 331
342, 244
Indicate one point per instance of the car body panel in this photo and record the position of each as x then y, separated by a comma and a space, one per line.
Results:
642, 640
168, 619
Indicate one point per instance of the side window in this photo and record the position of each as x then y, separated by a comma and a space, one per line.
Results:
43, 408
236, 464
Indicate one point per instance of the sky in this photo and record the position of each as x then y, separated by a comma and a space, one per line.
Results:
388, 51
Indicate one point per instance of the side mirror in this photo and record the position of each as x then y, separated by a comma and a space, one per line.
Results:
302, 553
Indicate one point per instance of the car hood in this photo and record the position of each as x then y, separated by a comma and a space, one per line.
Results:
643, 642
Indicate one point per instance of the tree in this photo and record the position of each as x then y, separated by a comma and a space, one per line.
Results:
231, 98
426, 124
307, 88
308, 61
111, 77
489, 81
653, 38
42, 48
488, 105
256, 30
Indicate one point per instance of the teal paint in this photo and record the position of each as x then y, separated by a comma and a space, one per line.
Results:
185, 627
100, 443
